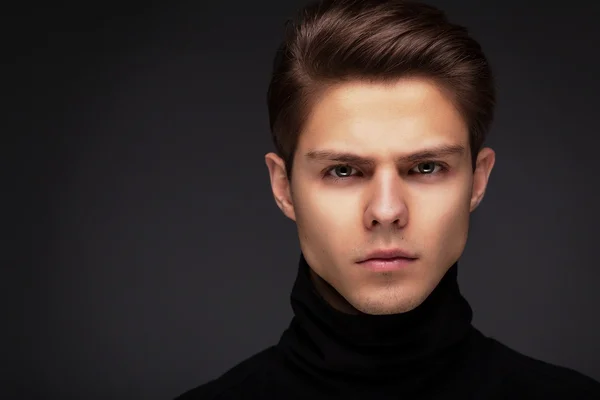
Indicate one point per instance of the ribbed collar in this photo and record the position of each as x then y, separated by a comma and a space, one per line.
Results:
408, 349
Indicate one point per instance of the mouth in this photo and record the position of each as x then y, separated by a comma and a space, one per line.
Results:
388, 254
387, 264
387, 260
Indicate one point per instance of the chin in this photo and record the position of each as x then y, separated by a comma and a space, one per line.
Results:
387, 302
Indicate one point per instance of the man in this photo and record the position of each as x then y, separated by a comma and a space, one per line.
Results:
379, 111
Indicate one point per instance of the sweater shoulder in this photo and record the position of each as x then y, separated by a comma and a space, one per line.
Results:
525, 376
235, 380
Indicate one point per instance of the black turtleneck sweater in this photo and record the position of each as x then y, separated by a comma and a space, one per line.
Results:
431, 352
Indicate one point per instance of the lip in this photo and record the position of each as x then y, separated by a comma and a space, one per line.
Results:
387, 254
387, 260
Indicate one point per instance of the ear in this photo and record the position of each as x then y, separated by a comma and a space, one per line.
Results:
280, 185
483, 167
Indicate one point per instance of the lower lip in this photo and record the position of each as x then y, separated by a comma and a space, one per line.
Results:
389, 264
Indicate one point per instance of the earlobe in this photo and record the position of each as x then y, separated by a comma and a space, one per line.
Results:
280, 185
475, 203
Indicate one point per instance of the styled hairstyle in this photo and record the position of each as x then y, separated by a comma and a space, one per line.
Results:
334, 41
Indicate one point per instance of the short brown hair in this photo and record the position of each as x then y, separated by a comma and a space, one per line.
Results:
333, 41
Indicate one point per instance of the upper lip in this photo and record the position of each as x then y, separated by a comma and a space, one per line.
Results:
387, 254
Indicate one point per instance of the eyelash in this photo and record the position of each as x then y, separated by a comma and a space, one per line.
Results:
442, 168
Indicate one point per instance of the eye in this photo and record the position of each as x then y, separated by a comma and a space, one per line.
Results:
428, 168
341, 171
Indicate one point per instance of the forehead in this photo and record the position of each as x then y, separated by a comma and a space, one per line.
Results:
393, 117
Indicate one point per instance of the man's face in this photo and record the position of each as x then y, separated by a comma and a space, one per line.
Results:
379, 197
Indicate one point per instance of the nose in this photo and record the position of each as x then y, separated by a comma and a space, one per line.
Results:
386, 202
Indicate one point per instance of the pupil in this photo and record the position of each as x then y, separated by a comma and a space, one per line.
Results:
426, 168
343, 170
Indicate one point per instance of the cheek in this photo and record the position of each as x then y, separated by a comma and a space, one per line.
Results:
325, 216
443, 221
330, 212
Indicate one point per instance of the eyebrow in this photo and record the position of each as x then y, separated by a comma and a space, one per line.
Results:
350, 158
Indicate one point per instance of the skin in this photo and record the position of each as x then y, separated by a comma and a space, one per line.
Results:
345, 208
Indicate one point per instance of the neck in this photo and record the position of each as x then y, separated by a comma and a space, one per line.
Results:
328, 337
330, 295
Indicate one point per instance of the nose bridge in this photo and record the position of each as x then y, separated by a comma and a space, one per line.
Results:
386, 199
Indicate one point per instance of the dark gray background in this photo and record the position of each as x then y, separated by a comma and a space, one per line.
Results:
145, 253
